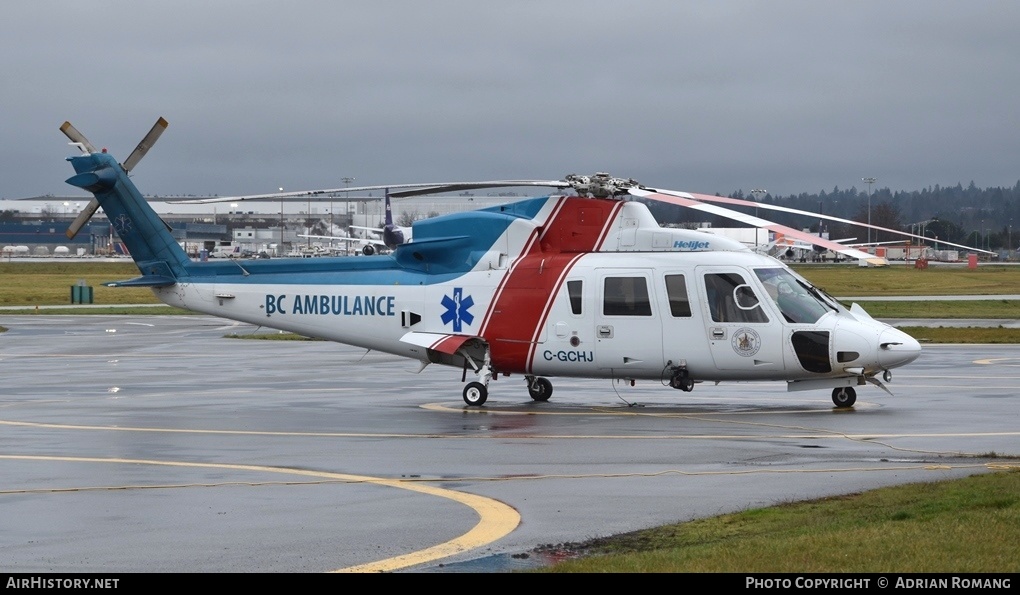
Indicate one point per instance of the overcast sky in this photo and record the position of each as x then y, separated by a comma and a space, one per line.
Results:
789, 96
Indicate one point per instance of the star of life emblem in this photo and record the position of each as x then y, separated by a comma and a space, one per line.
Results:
122, 224
457, 309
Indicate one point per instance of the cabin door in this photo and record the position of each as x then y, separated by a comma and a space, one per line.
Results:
628, 322
741, 335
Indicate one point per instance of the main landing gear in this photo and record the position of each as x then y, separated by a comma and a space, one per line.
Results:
844, 397
539, 388
477, 392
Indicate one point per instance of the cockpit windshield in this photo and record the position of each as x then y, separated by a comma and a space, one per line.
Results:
798, 300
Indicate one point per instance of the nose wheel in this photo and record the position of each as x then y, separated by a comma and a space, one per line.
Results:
844, 397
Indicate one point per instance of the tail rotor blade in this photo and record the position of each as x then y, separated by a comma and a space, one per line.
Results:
82, 218
72, 133
144, 146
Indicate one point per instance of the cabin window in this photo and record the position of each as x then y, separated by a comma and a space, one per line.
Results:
679, 303
730, 299
626, 296
574, 293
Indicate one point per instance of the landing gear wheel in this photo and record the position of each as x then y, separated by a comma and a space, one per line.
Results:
540, 389
844, 397
475, 394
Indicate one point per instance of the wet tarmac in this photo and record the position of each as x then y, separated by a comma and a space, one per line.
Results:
157, 444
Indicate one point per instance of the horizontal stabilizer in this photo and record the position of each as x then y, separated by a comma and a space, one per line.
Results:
442, 342
143, 281
436, 252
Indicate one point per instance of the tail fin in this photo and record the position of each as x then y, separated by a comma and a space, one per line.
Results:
392, 235
389, 211
159, 257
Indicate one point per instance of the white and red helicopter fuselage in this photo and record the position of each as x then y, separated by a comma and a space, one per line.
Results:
559, 285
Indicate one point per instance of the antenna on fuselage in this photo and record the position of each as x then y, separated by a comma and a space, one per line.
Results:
629, 404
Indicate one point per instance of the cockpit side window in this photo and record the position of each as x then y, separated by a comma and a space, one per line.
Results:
731, 299
793, 297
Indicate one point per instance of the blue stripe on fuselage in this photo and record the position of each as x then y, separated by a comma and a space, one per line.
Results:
485, 226
342, 270
470, 234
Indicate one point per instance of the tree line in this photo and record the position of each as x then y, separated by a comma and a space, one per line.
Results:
967, 215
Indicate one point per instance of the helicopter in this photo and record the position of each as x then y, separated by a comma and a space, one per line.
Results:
582, 282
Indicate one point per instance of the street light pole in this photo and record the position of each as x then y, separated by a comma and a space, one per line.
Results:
347, 202
347, 192
280, 250
869, 182
757, 194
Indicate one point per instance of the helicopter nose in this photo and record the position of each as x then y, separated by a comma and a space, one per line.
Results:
897, 348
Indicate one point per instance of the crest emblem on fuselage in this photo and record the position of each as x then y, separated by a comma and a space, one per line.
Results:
746, 342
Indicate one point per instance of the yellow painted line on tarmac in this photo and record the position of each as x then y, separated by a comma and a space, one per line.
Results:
969, 385
52, 426
805, 433
125, 355
998, 361
496, 520
637, 411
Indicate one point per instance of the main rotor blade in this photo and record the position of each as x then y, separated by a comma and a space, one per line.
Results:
685, 199
747, 203
478, 186
72, 133
82, 218
414, 190
146, 144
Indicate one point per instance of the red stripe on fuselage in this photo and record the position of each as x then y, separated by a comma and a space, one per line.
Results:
546, 309
450, 344
528, 247
522, 303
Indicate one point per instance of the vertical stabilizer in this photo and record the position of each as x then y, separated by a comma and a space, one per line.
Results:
392, 235
389, 211
146, 236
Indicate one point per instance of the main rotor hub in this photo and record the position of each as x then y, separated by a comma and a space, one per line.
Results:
600, 185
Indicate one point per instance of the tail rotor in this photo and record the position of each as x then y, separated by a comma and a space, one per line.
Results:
77, 138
